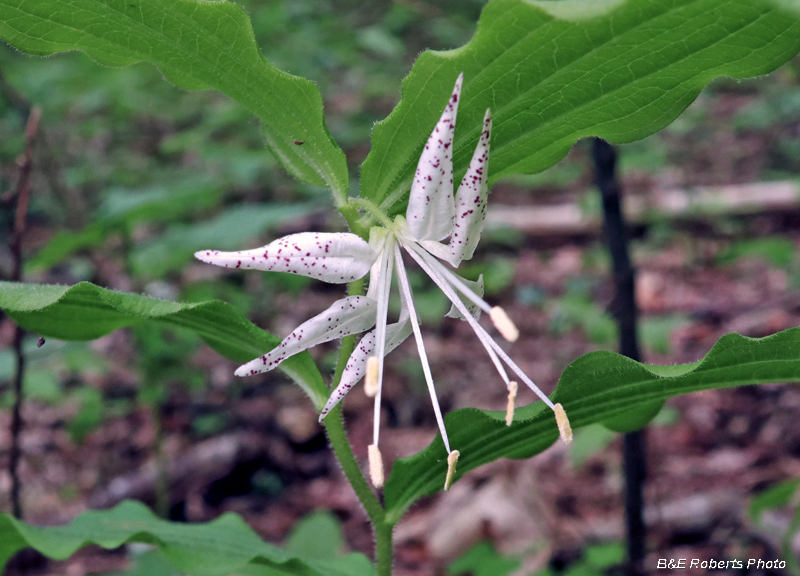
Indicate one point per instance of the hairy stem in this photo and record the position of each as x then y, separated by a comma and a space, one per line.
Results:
383, 548
334, 426
373, 209
352, 217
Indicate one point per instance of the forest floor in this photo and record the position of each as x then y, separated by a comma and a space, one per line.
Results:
708, 454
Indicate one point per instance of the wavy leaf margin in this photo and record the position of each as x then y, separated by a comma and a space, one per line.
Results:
551, 76
218, 548
197, 45
85, 312
596, 387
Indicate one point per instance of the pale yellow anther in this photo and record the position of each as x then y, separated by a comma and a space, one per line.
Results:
452, 460
371, 380
504, 324
512, 398
375, 466
564, 429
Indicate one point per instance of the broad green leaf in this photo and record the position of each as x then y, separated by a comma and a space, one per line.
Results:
483, 560
85, 312
198, 45
150, 563
318, 535
555, 72
594, 388
587, 441
224, 546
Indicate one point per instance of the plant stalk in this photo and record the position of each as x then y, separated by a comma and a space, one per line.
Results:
634, 445
383, 548
337, 437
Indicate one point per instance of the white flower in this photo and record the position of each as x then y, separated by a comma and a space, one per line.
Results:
433, 215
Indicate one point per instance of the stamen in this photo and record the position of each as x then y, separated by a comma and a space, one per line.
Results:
405, 293
384, 286
564, 429
512, 397
432, 271
375, 466
432, 267
452, 460
371, 381
504, 324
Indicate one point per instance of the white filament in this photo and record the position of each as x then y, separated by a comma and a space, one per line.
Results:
405, 291
427, 263
384, 285
431, 267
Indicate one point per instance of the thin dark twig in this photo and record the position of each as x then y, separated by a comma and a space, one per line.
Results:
624, 307
22, 196
49, 164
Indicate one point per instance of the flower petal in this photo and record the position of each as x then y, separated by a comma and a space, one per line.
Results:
346, 316
331, 257
471, 200
441, 251
377, 241
356, 366
474, 310
431, 207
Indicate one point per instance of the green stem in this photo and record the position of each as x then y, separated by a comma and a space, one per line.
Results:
373, 209
352, 217
383, 548
334, 426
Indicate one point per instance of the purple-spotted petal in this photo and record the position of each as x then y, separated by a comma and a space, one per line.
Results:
357, 364
431, 207
331, 257
347, 316
471, 200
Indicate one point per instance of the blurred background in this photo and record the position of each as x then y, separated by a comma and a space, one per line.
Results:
132, 175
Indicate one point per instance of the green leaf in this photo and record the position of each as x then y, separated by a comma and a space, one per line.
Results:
776, 496
230, 230
555, 72
85, 312
89, 415
224, 546
775, 250
634, 419
586, 441
318, 535
122, 208
594, 388
197, 45
483, 560
150, 563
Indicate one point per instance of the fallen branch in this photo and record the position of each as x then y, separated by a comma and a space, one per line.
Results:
694, 203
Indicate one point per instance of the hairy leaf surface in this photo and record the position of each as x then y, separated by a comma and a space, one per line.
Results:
224, 546
597, 387
555, 72
85, 312
197, 45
